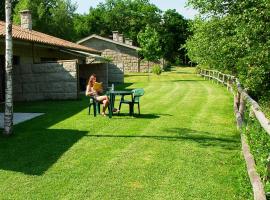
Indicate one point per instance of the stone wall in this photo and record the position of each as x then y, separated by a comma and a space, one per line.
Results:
100, 69
56, 80
124, 58
127, 61
143, 64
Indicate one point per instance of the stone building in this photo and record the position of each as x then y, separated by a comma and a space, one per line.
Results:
46, 67
121, 51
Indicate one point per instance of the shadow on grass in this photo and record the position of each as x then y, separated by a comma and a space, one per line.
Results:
188, 73
205, 139
35, 147
36, 151
132, 75
142, 116
187, 80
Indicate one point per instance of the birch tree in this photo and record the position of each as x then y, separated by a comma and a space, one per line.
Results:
8, 116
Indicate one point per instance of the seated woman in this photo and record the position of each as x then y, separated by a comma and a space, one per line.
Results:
90, 91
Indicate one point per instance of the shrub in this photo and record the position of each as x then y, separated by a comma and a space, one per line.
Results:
167, 67
259, 142
157, 70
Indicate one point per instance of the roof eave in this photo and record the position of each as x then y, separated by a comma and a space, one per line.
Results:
108, 40
58, 46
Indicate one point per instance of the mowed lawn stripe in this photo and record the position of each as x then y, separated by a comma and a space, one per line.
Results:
124, 157
183, 146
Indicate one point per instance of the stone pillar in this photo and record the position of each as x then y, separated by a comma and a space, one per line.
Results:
115, 36
26, 19
127, 41
121, 38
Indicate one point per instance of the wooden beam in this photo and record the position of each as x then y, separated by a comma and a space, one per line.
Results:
257, 186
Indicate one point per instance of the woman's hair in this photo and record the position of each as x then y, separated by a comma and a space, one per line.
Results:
91, 78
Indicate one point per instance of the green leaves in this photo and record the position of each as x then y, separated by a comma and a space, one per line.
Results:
234, 36
149, 43
126, 16
54, 17
131, 17
173, 34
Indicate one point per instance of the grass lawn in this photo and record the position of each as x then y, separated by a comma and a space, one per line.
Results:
184, 146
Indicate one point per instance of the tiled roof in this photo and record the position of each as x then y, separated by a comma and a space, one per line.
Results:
108, 40
35, 36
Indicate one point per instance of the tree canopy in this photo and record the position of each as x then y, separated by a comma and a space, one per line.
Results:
126, 16
234, 36
54, 17
173, 35
2, 8
149, 43
130, 17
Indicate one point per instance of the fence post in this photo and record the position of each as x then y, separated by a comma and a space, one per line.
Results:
242, 106
241, 98
228, 82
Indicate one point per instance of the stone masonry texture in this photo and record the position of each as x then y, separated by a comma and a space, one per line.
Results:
57, 80
123, 59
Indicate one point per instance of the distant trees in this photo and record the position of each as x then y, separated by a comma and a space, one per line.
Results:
149, 43
130, 17
234, 36
173, 35
126, 16
2, 8
54, 17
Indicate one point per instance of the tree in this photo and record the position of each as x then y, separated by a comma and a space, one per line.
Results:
131, 17
174, 33
234, 36
54, 17
149, 43
2, 8
126, 16
8, 116
92, 23
150, 46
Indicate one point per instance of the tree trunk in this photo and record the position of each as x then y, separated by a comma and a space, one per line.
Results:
8, 117
148, 70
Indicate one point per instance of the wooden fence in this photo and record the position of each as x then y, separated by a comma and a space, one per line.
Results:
243, 103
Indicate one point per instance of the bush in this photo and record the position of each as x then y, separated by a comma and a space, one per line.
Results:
259, 142
265, 104
157, 70
167, 67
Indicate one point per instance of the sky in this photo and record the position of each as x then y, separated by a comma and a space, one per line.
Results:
179, 5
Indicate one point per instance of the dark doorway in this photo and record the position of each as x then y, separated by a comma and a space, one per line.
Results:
2, 78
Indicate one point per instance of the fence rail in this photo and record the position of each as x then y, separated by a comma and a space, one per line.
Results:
241, 96
242, 101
